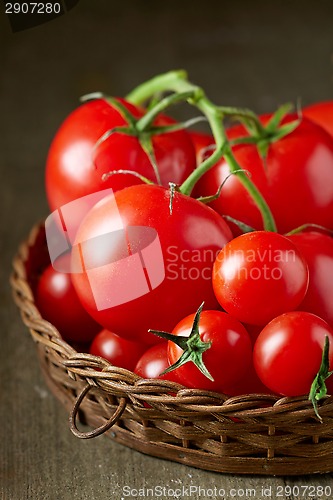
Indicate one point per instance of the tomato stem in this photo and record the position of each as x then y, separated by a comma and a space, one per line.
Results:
318, 388
176, 81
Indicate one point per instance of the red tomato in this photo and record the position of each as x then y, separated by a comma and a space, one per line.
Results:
71, 172
258, 276
297, 180
153, 362
317, 249
288, 352
201, 141
116, 350
227, 359
189, 240
322, 114
249, 384
59, 304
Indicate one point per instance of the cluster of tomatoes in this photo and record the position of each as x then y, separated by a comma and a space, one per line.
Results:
234, 313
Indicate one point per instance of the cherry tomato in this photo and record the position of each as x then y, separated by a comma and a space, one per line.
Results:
288, 352
153, 362
189, 239
227, 359
258, 276
296, 179
250, 383
201, 142
116, 350
322, 114
59, 304
317, 249
71, 172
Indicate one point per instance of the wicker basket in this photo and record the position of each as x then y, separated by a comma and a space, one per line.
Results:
250, 434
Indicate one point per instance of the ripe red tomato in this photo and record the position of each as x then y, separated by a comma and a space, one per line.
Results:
227, 359
59, 304
258, 276
296, 179
116, 350
317, 249
201, 141
190, 238
322, 114
153, 362
288, 352
71, 172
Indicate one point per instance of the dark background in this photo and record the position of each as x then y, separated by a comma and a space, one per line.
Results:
257, 54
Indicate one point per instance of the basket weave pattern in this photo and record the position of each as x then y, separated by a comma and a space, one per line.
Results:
250, 434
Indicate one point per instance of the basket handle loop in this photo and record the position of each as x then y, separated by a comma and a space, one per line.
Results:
100, 430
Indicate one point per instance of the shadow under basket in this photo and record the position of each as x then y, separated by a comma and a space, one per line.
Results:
249, 434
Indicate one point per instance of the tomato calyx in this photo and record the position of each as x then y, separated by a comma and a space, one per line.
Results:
192, 346
318, 387
311, 226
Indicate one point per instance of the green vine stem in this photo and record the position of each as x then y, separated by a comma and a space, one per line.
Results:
177, 82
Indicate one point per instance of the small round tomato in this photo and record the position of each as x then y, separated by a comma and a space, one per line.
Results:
59, 304
116, 350
296, 179
317, 249
222, 344
153, 362
75, 169
287, 354
322, 114
130, 284
258, 276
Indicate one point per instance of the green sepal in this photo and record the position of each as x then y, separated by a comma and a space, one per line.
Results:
146, 143
177, 126
92, 96
125, 113
277, 117
192, 346
245, 228
318, 387
126, 172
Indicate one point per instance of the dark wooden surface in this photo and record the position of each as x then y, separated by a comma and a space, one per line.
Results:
257, 54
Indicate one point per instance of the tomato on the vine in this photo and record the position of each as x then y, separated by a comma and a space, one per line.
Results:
322, 114
190, 236
295, 178
288, 352
217, 349
59, 304
75, 169
116, 350
258, 276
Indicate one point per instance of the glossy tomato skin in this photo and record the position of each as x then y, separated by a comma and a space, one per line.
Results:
288, 352
116, 350
296, 179
201, 141
317, 249
322, 114
190, 238
59, 304
71, 172
153, 362
228, 358
258, 276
